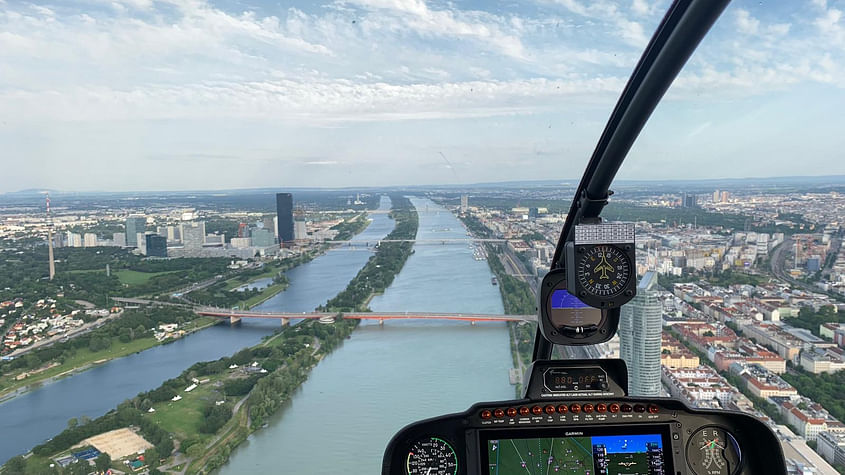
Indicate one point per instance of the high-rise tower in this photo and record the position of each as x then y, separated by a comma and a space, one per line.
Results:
50, 240
134, 225
640, 327
284, 211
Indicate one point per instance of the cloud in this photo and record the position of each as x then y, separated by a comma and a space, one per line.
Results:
486, 29
313, 101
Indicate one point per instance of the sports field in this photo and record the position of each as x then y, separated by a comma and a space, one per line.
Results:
119, 443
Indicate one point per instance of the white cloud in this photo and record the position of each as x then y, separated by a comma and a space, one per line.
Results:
316, 102
485, 28
745, 23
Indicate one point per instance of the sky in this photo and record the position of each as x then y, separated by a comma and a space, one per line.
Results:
124, 95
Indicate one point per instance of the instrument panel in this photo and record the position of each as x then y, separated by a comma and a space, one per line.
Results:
576, 418
610, 436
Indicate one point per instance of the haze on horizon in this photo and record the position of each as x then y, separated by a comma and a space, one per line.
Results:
132, 95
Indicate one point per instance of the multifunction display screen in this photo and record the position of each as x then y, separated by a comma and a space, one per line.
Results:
577, 453
567, 310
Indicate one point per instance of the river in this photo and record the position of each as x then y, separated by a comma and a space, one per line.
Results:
385, 377
31, 418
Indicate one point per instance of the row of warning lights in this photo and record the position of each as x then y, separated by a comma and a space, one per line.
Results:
574, 408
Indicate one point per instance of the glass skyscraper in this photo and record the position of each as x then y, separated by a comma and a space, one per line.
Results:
640, 327
134, 225
284, 210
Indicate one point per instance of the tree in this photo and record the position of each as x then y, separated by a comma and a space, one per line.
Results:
103, 462
195, 450
152, 457
15, 465
165, 447
72, 422
124, 336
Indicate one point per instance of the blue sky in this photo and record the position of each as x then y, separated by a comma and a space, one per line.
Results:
188, 94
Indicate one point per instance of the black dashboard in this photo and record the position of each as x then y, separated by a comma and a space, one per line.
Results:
584, 425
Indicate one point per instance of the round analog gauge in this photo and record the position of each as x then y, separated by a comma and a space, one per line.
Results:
603, 270
431, 456
713, 451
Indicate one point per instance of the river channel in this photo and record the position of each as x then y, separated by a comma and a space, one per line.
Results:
386, 376
31, 418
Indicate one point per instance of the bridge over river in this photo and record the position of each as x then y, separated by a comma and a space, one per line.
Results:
235, 316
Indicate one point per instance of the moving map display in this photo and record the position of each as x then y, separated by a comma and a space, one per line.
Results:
623, 454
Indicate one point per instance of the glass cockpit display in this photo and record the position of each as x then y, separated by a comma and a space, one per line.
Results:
568, 311
578, 453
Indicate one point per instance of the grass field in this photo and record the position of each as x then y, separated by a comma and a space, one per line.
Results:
133, 277
184, 417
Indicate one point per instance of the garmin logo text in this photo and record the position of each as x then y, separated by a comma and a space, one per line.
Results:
574, 433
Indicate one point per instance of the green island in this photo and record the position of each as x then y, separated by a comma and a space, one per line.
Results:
192, 423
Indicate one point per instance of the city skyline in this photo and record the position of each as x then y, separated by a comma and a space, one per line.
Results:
566, 181
220, 94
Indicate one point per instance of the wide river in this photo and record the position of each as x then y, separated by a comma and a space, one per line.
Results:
385, 377
342, 417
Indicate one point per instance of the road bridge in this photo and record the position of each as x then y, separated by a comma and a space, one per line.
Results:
235, 316
466, 240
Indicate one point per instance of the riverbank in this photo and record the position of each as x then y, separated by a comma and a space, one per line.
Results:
517, 298
85, 359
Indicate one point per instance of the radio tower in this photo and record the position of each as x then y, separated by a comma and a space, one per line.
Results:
50, 239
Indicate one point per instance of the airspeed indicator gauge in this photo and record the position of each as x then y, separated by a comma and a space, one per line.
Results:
600, 264
431, 456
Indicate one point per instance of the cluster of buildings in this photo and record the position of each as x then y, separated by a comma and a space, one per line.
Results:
40, 322
182, 233
168, 331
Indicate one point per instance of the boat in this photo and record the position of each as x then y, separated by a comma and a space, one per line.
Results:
494, 281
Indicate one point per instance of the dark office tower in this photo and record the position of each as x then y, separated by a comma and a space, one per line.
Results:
284, 210
156, 245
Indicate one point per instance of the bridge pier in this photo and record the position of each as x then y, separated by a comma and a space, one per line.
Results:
381, 322
285, 321
233, 320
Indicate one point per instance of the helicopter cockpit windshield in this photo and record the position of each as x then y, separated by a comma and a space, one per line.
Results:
576, 416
